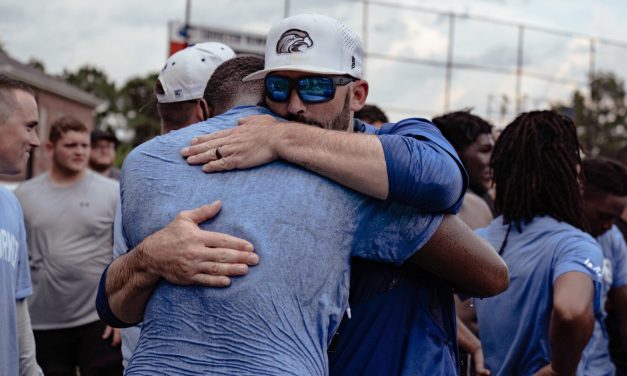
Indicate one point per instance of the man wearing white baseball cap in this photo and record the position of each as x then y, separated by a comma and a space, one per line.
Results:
179, 90
279, 318
181, 84
314, 74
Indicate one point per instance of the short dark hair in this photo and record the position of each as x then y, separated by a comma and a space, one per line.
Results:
370, 113
225, 86
605, 175
99, 134
174, 114
63, 125
535, 170
8, 102
461, 128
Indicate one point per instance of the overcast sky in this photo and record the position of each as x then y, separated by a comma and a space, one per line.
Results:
129, 37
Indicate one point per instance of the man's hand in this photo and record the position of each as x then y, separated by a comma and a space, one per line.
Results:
114, 333
546, 371
478, 361
184, 254
249, 145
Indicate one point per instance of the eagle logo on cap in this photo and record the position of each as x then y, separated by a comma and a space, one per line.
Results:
294, 40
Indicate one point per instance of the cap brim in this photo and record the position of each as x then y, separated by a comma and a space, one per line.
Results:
300, 68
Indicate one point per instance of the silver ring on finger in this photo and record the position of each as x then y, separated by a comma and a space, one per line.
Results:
218, 155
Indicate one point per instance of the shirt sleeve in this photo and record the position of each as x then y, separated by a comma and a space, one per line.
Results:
102, 305
580, 253
423, 168
23, 287
119, 242
619, 258
391, 232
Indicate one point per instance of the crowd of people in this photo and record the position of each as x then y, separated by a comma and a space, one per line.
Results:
281, 225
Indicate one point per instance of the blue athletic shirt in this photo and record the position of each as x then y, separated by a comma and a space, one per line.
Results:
402, 317
279, 318
15, 282
423, 171
595, 359
514, 325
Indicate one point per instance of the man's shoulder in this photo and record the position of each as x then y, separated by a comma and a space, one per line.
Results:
170, 144
8, 199
561, 230
612, 242
31, 184
103, 181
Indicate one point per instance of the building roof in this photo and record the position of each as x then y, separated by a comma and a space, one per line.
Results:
40, 80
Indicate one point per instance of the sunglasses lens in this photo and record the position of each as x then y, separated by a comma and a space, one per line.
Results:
277, 88
316, 89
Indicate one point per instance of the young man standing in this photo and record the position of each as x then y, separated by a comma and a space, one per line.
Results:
605, 199
69, 215
471, 136
18, 119
102, 155
541, 324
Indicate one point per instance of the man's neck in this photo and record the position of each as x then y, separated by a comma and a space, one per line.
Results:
64, 178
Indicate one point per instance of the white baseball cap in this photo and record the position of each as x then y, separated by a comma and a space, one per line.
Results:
312, 43
185, 73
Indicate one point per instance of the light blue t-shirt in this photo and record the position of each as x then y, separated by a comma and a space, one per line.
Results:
279, 318
595, 359
15, 282
514, 325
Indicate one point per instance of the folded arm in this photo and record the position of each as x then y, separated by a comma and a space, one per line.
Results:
399, 167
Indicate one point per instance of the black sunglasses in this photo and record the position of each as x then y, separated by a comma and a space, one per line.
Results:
313, 89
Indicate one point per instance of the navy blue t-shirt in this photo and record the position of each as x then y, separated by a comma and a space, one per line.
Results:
402, 317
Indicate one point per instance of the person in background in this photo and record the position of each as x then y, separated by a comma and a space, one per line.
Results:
18, 121
102, 155
617, 349
542, 322
69, 213
604, 200
471, 136
372, 115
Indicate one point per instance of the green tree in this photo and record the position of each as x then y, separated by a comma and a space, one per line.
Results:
601, 116
138, 104
95, 81
37, 64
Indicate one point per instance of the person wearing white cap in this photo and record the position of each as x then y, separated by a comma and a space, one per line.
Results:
182, 75
314, 74
181, 84
279, 318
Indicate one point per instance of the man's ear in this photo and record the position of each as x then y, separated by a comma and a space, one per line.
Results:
49, 148
360, 94
202, 110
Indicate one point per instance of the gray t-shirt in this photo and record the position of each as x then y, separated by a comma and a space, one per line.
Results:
70, 235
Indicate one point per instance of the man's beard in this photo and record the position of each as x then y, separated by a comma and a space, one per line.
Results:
99, 167
340, 123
